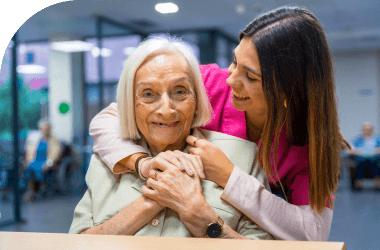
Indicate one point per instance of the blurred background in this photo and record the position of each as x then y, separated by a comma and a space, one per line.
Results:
65, 61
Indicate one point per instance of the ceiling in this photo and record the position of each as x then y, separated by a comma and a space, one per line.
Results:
349, 24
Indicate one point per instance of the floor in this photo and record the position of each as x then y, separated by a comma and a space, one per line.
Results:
356, 218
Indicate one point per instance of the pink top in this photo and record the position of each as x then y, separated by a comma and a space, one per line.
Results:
292, 162
283, 220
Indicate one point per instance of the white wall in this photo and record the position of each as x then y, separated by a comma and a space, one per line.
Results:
358, 90
65, 85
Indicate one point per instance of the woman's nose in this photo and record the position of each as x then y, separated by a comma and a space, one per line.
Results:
166, 109
231, 80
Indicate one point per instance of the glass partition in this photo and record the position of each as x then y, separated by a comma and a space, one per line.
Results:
6, 140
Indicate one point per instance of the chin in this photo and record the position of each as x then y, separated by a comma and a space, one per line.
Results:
238, 106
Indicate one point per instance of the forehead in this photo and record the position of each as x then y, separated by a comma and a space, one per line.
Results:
164, 65
246, 54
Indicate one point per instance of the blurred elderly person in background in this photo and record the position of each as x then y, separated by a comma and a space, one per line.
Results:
161, 100
366, 151
42, 150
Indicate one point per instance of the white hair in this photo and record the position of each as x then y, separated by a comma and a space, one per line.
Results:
44, 121
125, 88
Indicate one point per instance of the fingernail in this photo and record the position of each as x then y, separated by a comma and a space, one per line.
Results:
181, 167
191, 171
202, 175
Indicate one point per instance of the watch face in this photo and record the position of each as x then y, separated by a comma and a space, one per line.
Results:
214, 230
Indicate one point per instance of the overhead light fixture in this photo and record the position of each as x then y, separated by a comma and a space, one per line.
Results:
129, 50
104, 52
240, 9
72, 46
31, 69
22, 49
166, 8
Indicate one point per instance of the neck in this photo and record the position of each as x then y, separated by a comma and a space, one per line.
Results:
255, 126
156, 149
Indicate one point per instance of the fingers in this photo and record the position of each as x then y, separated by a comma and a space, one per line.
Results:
153, 173
197, 164
190, 164
191, 139
148, 192
193, 162
176, 160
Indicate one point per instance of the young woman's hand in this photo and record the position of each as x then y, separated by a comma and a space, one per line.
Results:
216, 165
191, 164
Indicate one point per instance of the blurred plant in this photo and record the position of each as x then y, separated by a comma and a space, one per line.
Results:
29, 108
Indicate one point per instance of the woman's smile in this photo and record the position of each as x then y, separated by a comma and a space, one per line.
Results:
165, 124
239, 97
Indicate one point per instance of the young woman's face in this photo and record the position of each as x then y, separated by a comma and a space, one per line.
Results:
245, 80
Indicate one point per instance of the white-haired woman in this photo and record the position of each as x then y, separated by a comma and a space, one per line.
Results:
161, 98
42, 150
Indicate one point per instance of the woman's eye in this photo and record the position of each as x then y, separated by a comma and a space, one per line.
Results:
180, 92
250, 79
234, 60
147, 94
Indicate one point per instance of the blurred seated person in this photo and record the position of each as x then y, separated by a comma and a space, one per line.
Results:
42, 150
161, 101
366, 151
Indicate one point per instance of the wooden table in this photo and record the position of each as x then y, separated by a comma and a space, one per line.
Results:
41, 241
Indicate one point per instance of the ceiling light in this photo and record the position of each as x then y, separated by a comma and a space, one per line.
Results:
166, 8
104, 52
22, 49
31, 69
129, 50
72, 46
240, 9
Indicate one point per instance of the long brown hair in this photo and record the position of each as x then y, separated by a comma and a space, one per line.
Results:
298, 84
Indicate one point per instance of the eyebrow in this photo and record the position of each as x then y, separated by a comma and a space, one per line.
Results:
151, 84
144, 83
247, 68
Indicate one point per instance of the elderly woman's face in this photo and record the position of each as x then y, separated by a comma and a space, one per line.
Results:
164, 99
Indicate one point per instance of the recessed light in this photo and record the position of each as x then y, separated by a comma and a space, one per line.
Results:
240, 9
31, 69
72, 46
129, 50
166, 8
104, 52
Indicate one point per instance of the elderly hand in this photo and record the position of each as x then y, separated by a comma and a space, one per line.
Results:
217, 166
183, 194
191, 164
173, 189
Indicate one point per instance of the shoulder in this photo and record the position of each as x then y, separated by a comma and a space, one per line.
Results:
214, 78
212, 70
240, 152
213, 136
357, 139
98, 170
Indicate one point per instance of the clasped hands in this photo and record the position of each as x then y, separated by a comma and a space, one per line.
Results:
169, 187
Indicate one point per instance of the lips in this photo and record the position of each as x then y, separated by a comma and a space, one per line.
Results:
166, 124
239, 96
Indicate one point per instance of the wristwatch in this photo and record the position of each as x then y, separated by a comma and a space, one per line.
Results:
215, 229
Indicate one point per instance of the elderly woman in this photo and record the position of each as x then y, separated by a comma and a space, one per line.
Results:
42, 150
161, 100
